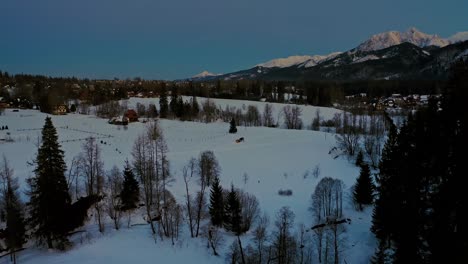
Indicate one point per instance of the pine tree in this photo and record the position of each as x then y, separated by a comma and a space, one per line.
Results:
174, 104
448, 241
380, 220
233, 215
195, 107
364, 188
15, 225
163, 103
130, 194
233, 128
216, 203
180, 111
359, 158
49, 196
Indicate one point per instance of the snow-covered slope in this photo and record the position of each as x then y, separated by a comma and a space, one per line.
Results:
285, 62
392, 38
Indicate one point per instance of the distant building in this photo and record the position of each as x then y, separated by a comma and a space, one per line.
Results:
60, 110
120, 120
131, 115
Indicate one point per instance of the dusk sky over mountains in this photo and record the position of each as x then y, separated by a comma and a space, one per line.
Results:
180, 38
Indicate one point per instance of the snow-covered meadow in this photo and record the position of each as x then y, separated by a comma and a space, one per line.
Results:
272, 158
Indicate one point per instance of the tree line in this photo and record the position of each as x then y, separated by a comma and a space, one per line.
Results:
46, 92
419, 211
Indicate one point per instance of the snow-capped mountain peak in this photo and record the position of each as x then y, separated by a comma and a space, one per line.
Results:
284, 62
204, 74
316, 59
458, 37
392, 38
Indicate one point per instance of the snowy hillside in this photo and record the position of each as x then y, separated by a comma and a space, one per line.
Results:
272, 158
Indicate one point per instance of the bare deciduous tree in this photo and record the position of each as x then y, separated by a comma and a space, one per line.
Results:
92, 170
114, 185
208, 169
304, 245
214, 237
171, 217
252, 116
208, 111
284, 244
268, 120
200, 211
250, 209
260, 238
349, 134
188, 172
108, 110
73, 178
292, 117
316, 121
141, 109
152, 166
327, 200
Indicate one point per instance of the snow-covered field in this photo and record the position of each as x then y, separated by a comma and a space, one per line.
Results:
273, 159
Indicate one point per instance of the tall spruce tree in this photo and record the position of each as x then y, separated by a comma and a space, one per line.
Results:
382, 209
418, 216
130, 194
174, 104
233, 128
448, 243
163, 103
49, 196
180, 111
359, 158
195, 107
364, 189
233, 213
216, 203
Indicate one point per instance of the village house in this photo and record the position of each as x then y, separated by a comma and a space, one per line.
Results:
119, 120
60, 109
131, 115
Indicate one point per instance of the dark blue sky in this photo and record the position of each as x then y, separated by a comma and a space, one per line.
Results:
180, 38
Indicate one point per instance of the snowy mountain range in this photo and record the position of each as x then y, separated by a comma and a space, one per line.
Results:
413, 36
304, 61
299, 66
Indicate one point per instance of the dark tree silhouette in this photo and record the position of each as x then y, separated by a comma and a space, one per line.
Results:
233, 214
130, 194
49, 196
232, 128
364, 189
163, 103
216, 203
